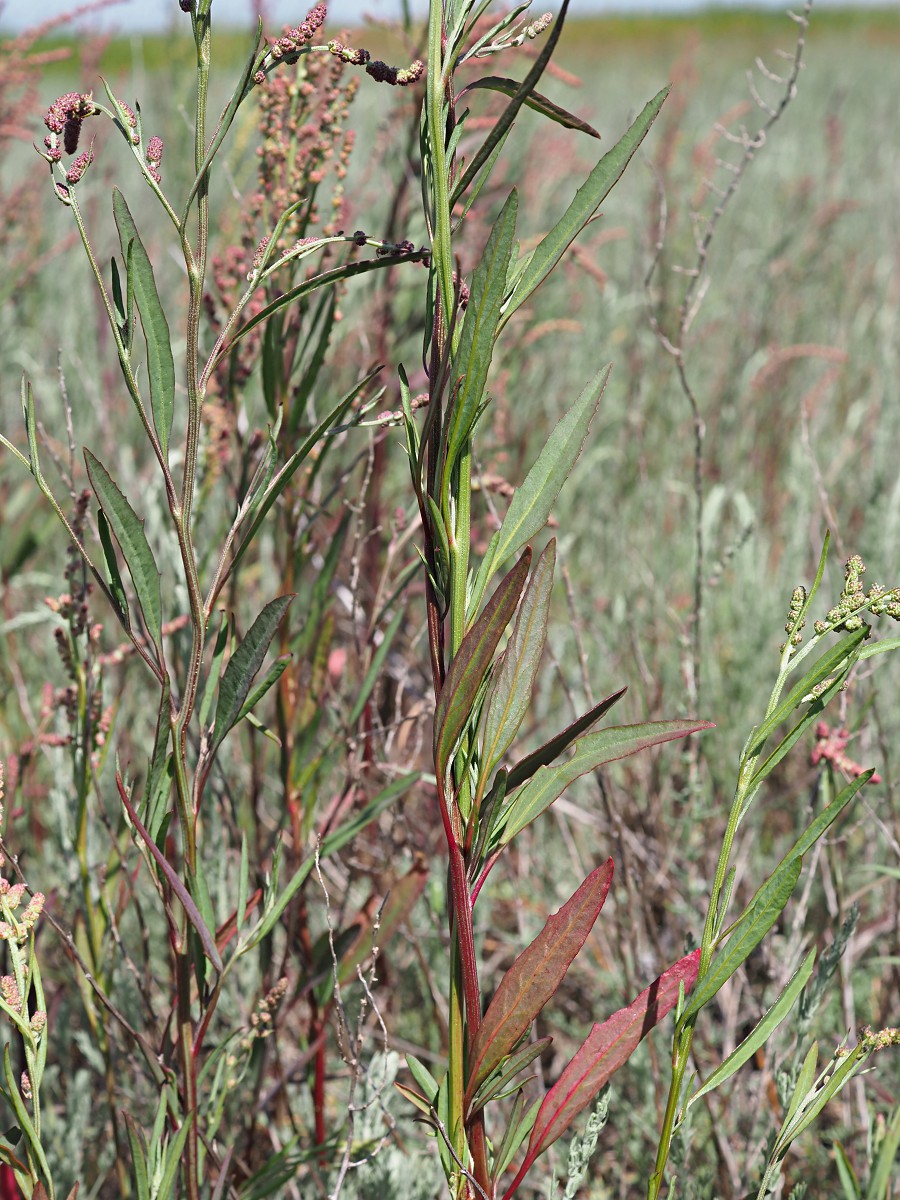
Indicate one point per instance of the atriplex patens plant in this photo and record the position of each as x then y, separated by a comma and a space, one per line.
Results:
481, 693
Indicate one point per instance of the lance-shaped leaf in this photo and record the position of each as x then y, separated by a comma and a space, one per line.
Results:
591, 752
510, 694
535, 101
753, 925
476, 343
129, 532
502, 125
534, 977
762, 1031
552, 749
587, 200
243, 666
532, 503
499, 1082
608, 1046
837, 659
472, 662
763, 910
160, 363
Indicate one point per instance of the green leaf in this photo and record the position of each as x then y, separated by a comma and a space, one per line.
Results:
885, 1163
215, 670
472, 359
518, 1129
129, 531
846, 1174
510, 692
113, 575
472, 662
752, 926
287, 472
502, 125
243, 666
535, 976
160, 363
836, 660
330, 845
138, 1158
608, 1046
761, 1032
531, 505
173, 1158
498, 1082
587, 200
591, 752
534, 100
271, 677
552, 749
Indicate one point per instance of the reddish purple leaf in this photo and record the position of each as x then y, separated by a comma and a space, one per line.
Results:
534, 977
607, 1047
473, 660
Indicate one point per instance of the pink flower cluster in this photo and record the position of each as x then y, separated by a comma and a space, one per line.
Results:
831, 747
380, 71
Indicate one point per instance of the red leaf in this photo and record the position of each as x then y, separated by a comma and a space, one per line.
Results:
9, 1189
607, 1047
535, 975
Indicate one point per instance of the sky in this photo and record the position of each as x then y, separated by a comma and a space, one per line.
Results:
132, 15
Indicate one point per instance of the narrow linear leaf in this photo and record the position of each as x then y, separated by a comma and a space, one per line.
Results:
761, 1032
535, 976
129, 532
753, 925
535, 101
592, 751
160, 363
531, 505
113, 575
608, 1046
510, 694
836, 659
274, 673
243, 666
138, 1158
885, 1163
503, 124
472, 661
587, 200
499, 1080
172, 878
173, 1159
374, 672
330, 845
551, 750
516, 1132
287, 472
476, 343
